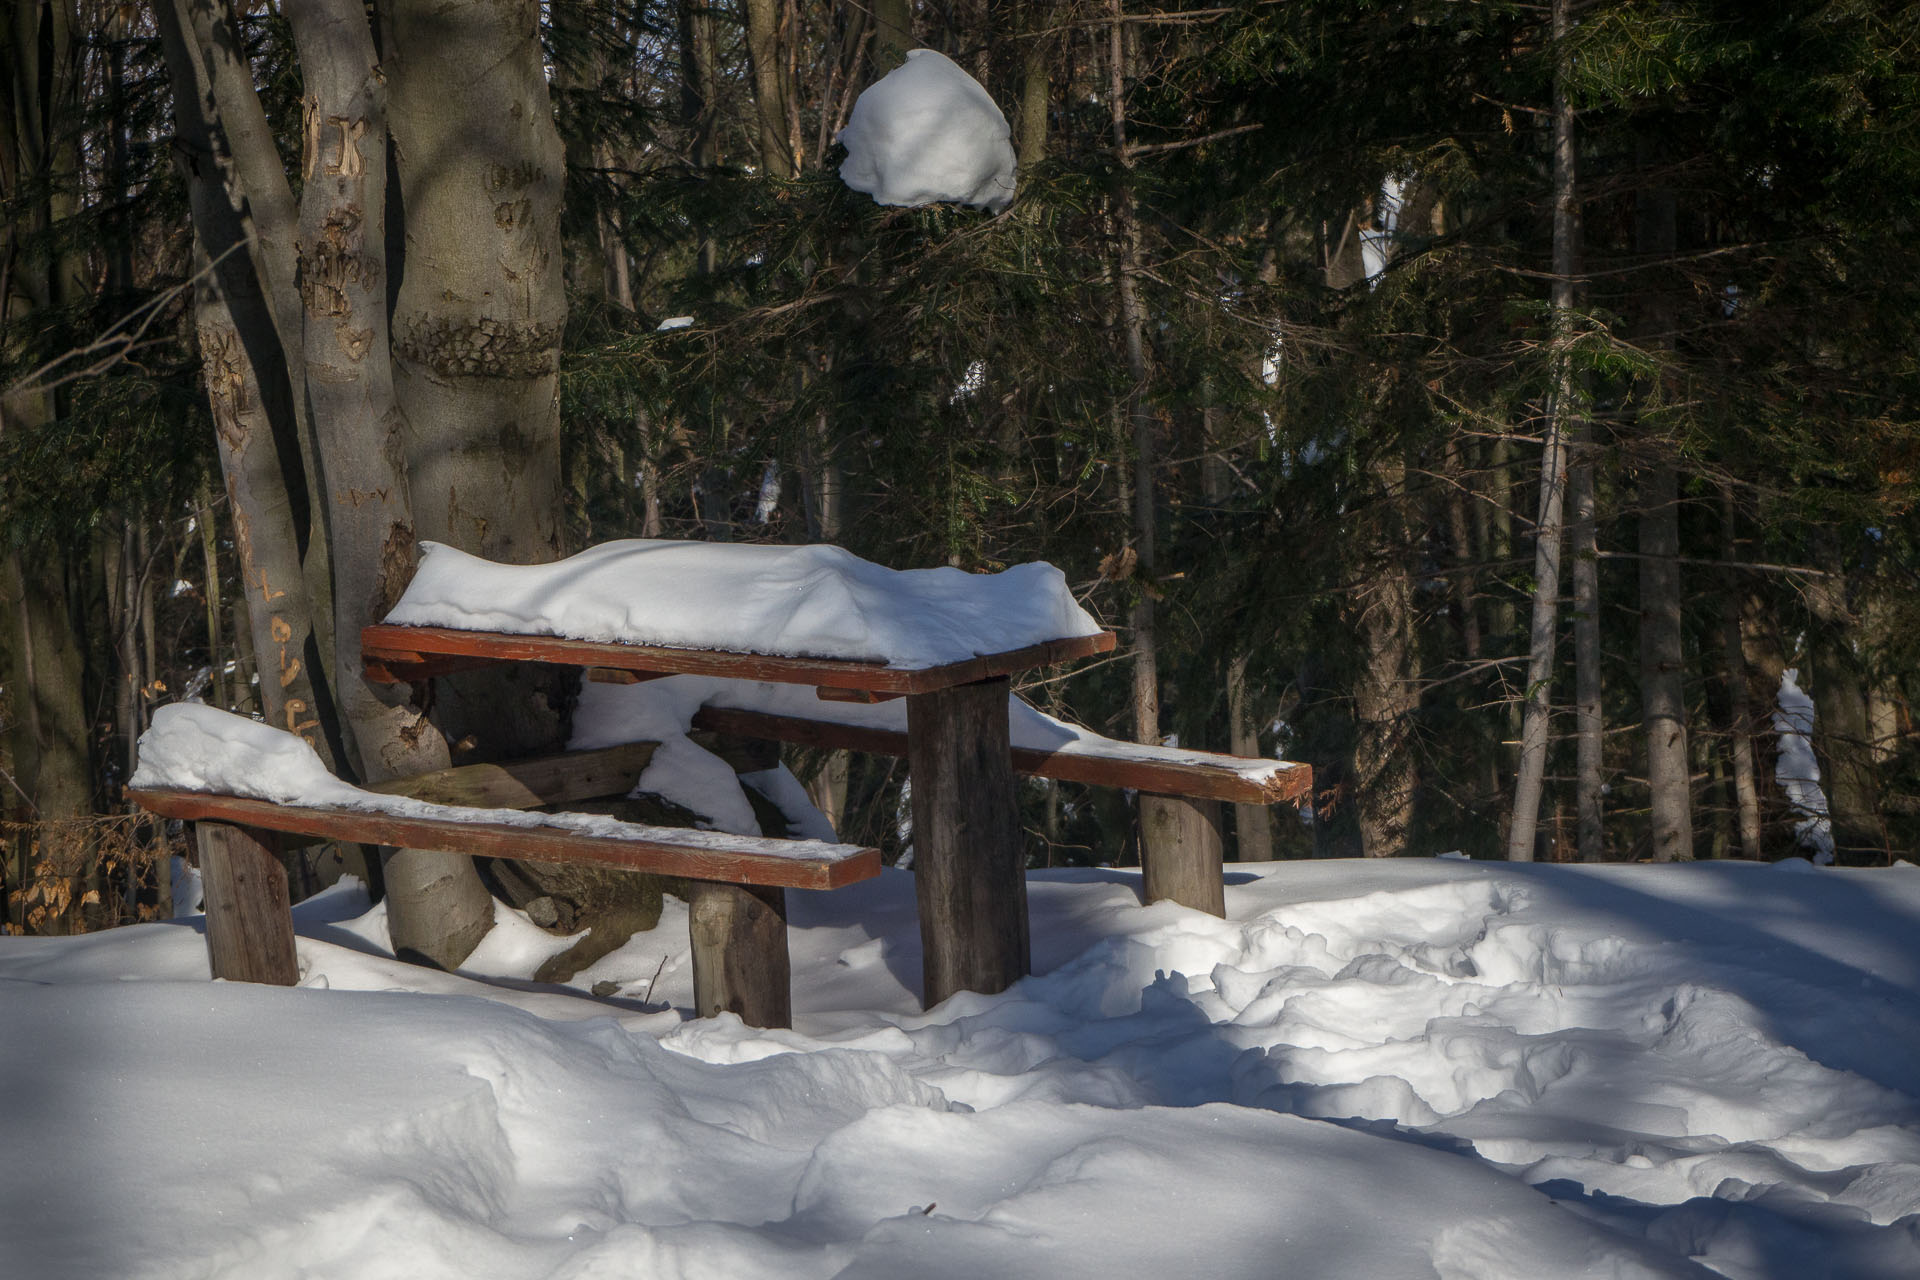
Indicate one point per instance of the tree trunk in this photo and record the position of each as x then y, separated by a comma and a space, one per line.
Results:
892, 34
1663, 666
1843, 730
251, 398
477, 325
772, 88
1535, 734
1663, 702
1386, 689
1252, 823
1740, 718
1589, 722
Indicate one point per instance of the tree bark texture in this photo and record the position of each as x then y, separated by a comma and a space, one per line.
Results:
250, 393
477, 323
1588, 689
1536, 725
1386, 689
1663, 697
773, 90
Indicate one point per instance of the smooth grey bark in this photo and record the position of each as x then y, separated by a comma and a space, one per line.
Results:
349, 384
476, 330
1536, 724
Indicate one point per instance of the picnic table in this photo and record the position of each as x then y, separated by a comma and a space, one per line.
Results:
969, 852
945, 642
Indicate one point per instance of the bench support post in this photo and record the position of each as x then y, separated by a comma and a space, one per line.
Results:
969, 858
249, 916
740, 962
1181, 850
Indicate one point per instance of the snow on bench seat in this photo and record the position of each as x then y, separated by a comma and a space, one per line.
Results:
200, 763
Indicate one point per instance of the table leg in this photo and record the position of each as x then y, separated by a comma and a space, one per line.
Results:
249, 915
740, 961
1180, 852
969, 859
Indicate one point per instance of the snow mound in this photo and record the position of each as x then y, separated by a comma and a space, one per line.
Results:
927, 133
799, 602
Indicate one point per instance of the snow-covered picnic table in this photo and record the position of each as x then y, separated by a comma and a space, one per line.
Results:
945, 640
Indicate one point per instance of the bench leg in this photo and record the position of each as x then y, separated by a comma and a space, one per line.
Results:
249, 916
1180, 852
969, 856
740, 962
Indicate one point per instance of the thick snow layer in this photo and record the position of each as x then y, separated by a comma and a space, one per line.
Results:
927, 133
1797, 770
1376, 1071
193, 747
803, 602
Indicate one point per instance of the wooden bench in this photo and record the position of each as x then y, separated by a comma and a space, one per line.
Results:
1183, 865
738, 919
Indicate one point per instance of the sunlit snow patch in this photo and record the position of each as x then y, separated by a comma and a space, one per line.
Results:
927, 133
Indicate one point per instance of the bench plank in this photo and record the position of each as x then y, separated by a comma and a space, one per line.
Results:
740, 864
1203, 777
395, 653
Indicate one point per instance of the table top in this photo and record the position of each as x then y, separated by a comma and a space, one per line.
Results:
407, 653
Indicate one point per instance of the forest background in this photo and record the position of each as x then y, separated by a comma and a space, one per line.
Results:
1485, 403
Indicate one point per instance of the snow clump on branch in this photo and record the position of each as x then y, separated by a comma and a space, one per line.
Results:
927, 133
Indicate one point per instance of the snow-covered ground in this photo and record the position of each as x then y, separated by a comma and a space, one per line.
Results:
1398, 1069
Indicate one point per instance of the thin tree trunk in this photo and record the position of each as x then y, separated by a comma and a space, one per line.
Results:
1252, 823
1535, 731
1589, 722
251, 398
1662, 665
220, 686
1741, 724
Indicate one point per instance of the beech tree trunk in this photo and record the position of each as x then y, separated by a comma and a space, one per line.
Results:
477, 324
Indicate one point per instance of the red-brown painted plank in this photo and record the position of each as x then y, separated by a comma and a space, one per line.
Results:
393, 652
738, 865
1203, 781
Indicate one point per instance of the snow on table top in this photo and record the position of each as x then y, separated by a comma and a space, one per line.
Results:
193, 747
796, 602
926, 133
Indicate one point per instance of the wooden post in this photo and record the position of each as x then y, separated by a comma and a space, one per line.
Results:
969, 861
740, 962
1181, 849
249, 917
